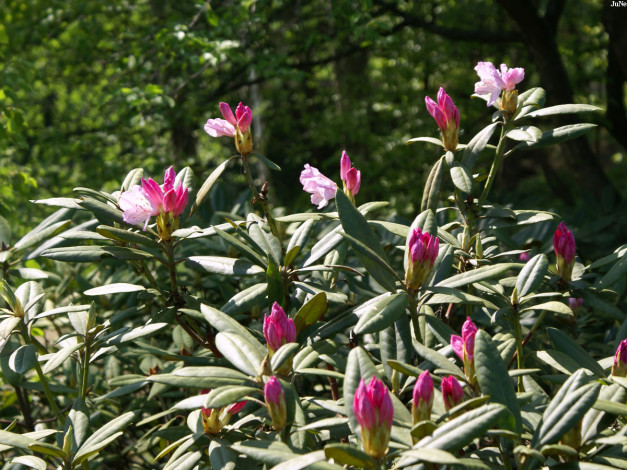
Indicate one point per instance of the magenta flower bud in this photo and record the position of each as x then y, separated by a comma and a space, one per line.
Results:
236, 408
278, 329
524, 257
423, 398
619, 368
422, 252
494, 81
275, 402
446, 116
353, 181
345, 165
227, 113
564, 245
452, 392
321, 188
464, 347
244, 117
374, 412
575, 303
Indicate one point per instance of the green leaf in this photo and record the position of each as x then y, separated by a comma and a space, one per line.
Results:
267, 162
616, 272
476, 145
78, 419
224, 265
525, 134
375, 265
429, 140
437, 359
304, 461
299, 238
270, 245
462, 177
30, 461
240, 352
246, 299
133, 178
436, 456
380, 312
187, 461
324, 246
103, 211
555, 136
431, 192
311, 311
227, 395
31, 297
346, 455
36, 236
532, 97
612, 407
531, 274
127, 236
103, 436
565, 344
491, 375
552, 306
60, 356
5, 232
567, 407
75, 254
224, 323
564, 109
201, 377
395, 345
596, 420
221, 456
455, 296
275, 289
476, 275
23, 358
283, 355
124, 335
243, 248
208, 184
117, 288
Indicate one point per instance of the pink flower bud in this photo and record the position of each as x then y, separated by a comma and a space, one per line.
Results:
353, 181
423, 398
564, 245
524, 257
452, 392
494, 81
236, 408
275, 402
227, 114
321, 188
446, 116
464, 347
278, 329
575, 303
619, 368
244, 117
374, 412
345, 165
422, 252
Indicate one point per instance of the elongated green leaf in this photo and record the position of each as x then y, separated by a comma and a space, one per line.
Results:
491, 375
104, 435
267, 162
596, 419
127, 236
455, 296
267, 242
201, 377
23, 358
208, 184
476, 145
614, 274
244, 300
133, 178
36, 236
311, 311
525, 134
28, 443
117, 288
564, 109
248, 252
30, 461
429, 140
435, 456
567, 407
533, 97
552, 306
275, 289
224, 265
531, 274
300, 237
380, 312
555, 136
395, 345
476, 275
462, 177
221, 456
60, 356
437, 359
239, 352
124, 335
375, 265
227, 395
222, 322
31, 297
355, 224
324, 246
431, 192
565, 344
348, 455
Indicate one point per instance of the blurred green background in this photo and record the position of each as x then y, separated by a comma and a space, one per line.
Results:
91, 89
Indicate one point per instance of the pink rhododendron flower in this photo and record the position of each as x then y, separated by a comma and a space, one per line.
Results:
374, 412
275, 402
136, 206
494, 81
464, 345
351, 177
619, 368
446, 116
278, 329
422, 251
227, 126
321, 188
452, 392
564, 246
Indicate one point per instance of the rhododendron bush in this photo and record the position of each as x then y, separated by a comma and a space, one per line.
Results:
136, 333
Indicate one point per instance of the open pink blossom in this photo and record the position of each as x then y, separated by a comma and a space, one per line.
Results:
227, 126
136, 206
321, 188
494, 81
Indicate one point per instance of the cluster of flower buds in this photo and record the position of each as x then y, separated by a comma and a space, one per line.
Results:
446, 116
167, 202
351, 177
214, 419
323, 189
237, 126
452, 392
564, 245
278, 329
464, 347
494, 81
374, 412
421, 254
619, 368
275, 403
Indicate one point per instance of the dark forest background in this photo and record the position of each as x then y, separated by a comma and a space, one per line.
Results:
91, 89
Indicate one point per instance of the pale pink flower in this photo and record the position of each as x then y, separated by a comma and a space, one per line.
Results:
136, 206
321, 188
494, 81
